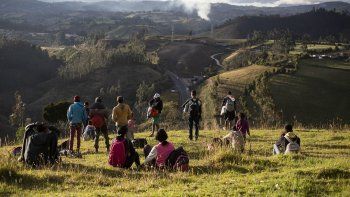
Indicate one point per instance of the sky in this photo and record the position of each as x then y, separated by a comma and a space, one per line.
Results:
202, 7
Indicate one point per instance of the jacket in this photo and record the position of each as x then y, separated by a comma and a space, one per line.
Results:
156, 104
187, 106
121, 114
76, 113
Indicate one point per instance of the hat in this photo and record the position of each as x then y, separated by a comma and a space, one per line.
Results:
76, 98
156, 95
122, 131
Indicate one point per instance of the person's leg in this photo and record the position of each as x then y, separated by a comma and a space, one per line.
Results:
104, 131
153, 128
190, 125
71, 138
196, 125
276, 150
79, 128
131, 159
146, 150
97, 137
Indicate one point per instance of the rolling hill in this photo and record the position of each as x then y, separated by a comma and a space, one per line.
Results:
316, 94
316, 23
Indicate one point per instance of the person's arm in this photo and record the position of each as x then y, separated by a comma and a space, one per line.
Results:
184, 105
152, 155
161, 105
69, 113
85, 116
224, 102
114, 114
129, 113
21, 158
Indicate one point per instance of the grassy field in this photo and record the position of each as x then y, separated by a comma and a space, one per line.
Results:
317, 93
236, 80
321, 169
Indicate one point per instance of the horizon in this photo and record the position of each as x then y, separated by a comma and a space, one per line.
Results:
194, 3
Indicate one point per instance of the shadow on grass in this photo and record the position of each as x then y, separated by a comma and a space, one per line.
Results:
212, 169
90, 169
331, 146
12, 177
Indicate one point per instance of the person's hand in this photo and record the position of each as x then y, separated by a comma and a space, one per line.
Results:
20, 159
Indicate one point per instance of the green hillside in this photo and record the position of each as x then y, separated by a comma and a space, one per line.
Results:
321, 169
317, 93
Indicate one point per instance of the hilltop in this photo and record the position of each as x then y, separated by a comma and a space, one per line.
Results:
318, 23
321, 169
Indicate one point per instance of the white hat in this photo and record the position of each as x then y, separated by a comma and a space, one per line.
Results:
156, 95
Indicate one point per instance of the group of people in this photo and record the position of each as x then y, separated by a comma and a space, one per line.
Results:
40, 141
288, 142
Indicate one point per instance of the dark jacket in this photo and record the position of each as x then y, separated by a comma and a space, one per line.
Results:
98, 109
40, 147
282, 142
156, 104
189, 102
225, 101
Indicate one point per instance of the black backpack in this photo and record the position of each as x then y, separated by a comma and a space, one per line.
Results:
194, 107
178, 159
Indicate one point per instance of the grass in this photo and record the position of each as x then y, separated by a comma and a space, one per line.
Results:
321, 169
236, 80
313, 47
318, 92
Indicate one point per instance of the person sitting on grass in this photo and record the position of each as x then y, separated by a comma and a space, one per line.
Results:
158, 155
40, 145
123, 153
89, 132
288, 142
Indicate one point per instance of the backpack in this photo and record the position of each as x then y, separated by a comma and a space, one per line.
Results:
117, 155
178, 160
194, 108
292, 147
139, 142
98, 121
230, 104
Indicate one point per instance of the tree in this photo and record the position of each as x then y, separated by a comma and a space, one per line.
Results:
17, 116
143, 93
56, 112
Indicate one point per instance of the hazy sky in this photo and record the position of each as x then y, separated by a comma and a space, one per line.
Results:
202, 7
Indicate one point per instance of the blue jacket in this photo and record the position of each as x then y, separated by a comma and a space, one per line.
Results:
76, 113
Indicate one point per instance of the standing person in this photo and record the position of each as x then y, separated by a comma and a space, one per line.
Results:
242, 125
123, 153
193, 106
87, 109
229, 104
157, 105
99, 116
76, 116
121, 114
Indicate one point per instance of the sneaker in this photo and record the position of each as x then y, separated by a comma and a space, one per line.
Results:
191, 138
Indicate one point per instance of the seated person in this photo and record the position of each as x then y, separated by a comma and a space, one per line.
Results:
288, 137
159, 153
89, 131
122, 153
40, 145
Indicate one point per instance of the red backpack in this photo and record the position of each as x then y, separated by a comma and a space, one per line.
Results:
117, 155
98, 121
